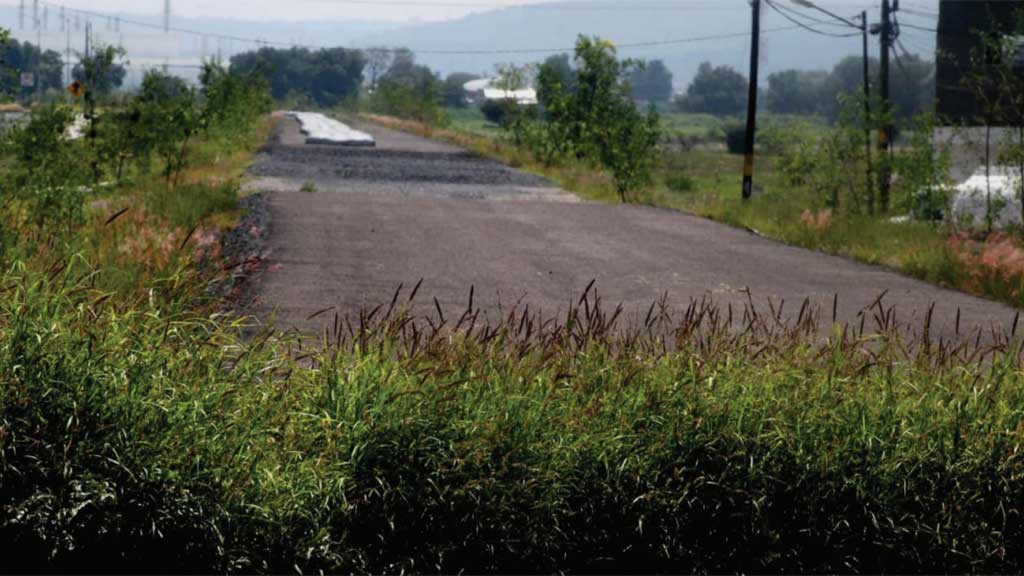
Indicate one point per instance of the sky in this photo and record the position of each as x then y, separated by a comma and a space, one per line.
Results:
391, 10
409, 11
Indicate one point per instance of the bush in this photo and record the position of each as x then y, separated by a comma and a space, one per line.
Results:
420, 102
736, 138
679, 183
496, 111
594, 120
48, 170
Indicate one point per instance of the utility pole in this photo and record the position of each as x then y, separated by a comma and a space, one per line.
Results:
36, 79
865, 31
755, 55
67, 51
90, 98
885, 133
88, 68
867, 114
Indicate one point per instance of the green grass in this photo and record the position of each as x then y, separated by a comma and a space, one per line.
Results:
187, 205
136, 434
693, 125
471, 120
700, 127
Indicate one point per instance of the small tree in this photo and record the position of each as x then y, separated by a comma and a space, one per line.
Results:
652, 82
378, 60
557, 71
454, 89
47, 169
719, 90
101, 72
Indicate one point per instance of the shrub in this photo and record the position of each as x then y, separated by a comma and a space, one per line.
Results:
594, 120
679, 183
419, 100
48, 170
736, 138
496, 111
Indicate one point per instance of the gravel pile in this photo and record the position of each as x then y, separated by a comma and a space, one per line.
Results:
244, 250
320, 163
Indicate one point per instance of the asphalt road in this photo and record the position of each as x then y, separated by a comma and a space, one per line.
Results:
414, 209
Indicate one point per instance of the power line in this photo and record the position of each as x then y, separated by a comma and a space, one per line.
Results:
699, 5
806, 16
805, 26
498, 51
920, 13
916, 27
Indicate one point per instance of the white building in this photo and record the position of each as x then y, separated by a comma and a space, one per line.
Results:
478, 91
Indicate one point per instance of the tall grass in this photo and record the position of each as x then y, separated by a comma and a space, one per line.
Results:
140, 434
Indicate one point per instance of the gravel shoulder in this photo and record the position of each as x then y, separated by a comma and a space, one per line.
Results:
413, 209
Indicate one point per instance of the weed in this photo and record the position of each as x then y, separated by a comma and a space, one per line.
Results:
700, 439
679, 183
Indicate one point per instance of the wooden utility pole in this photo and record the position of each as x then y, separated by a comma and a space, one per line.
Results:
67, 49
885, 133
755, 45
870, 190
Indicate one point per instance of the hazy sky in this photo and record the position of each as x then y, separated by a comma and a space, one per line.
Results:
397, 10
394, 10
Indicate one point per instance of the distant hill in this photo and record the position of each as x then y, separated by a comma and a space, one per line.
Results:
549, 26
557, 25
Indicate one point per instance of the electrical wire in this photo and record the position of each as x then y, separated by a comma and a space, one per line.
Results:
700, 5
807, 17
919, 13
921, 28
805, 26
499, 51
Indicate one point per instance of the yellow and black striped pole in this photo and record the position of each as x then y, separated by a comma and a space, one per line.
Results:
755, 44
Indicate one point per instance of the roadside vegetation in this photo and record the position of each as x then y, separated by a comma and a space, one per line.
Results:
145, 427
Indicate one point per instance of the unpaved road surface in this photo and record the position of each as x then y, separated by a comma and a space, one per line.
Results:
414, 209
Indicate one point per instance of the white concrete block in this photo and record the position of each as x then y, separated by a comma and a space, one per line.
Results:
320, 129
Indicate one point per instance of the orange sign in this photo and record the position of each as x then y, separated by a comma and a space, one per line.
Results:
76, 89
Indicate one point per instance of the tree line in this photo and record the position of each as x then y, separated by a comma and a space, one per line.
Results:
396, 83
722, 91
16, 58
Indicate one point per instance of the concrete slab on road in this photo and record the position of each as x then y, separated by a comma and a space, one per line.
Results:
350, 245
